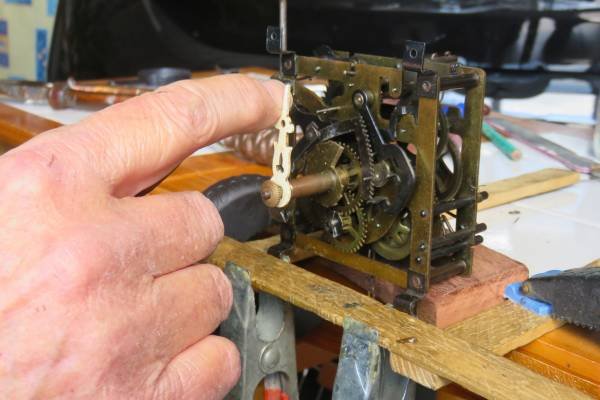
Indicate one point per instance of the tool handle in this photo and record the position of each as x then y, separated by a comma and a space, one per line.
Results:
61, 96
506, 147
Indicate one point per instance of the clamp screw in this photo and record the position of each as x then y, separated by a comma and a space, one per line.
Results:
269, 358
423, 213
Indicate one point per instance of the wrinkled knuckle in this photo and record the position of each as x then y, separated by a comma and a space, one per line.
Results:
191, 109
29, 173
223, 289
73, 265
232, 355
209, 218
170, 387
254, 99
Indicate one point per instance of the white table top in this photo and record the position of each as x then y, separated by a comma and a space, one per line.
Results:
558, 230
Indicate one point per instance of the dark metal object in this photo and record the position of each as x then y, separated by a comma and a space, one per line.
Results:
241, 208
357, 180
68, 94
156, 77
414, 55
446, 206
573, 294
264, 337
71, 93
406, 303
274, 44
391, 153
450, 238
364, 371
439, 274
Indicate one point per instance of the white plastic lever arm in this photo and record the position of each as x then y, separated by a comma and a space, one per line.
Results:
282, 154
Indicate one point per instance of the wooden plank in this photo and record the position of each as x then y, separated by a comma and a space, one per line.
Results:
18, 126
426, 346
570, 355
527, 185
504, 328
499, 330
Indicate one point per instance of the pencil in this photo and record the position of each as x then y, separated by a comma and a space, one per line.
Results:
501, 142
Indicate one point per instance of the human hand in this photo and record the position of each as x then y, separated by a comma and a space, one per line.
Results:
99, 293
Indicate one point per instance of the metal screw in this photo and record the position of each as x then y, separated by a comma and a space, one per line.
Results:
426, 86
317, 69
422, 246
423, 213
285, 215
415, 280
408, 340
419, 259
359, 100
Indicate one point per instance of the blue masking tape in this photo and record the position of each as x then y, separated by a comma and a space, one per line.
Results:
514, 294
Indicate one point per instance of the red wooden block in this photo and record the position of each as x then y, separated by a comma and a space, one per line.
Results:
459, 297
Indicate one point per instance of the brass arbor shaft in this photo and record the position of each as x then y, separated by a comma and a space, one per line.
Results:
303, 186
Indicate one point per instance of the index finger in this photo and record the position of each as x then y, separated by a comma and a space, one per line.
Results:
131, 145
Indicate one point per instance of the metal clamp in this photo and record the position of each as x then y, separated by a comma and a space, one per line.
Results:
414, 56
274, 44
364, 371
264, 337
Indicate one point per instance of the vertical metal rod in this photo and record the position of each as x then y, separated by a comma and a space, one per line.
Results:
596, 135
283, 23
